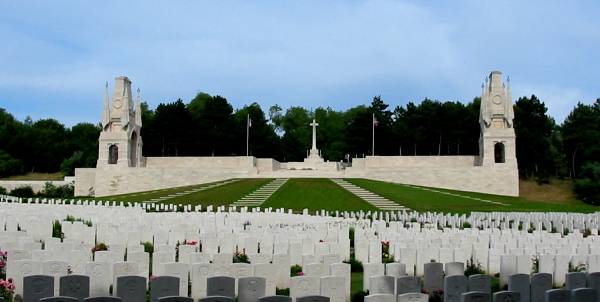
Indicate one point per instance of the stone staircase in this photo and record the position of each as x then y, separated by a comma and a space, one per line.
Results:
380, 202
192, 191
256, 198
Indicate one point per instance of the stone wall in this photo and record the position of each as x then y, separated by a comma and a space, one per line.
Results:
114, 181
267, 164
415, 161
449, 172
202, 162
85, 181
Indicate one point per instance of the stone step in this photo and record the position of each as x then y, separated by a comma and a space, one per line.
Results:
380, 202
259, 196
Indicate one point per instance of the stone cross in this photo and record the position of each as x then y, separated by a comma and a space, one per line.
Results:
314, 140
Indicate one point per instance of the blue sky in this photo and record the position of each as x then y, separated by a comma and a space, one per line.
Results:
55, 56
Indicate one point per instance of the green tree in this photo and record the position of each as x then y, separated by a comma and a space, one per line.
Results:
581, 136
215, 124
48, 145
359, 121
331, 136
9, 165
297, 137
263, 141
533, 129
588, 187
169, 131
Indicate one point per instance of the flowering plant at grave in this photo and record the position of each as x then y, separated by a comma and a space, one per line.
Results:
296, 270
192, 242
436, 296
3, 255
240, 257
100, 247
7, 289
386, 257
474, 268
69, 270
580, 268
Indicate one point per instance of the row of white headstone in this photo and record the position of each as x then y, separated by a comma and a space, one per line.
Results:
305, 239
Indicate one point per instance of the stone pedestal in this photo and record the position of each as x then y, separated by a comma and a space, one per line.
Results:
314, 157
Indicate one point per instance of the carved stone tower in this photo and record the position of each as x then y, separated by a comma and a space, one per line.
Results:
120, 143
497, 140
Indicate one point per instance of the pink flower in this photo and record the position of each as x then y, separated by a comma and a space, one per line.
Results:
300, 274
10, 280
12, 286
2, 263
3, 253
152, 276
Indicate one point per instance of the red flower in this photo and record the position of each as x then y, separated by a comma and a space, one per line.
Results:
300, 274
192, 243
320, 240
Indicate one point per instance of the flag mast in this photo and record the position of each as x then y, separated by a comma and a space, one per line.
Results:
248, 135
373, 149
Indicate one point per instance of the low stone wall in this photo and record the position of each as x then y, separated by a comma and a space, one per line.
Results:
415, 161
448, 172
267, 164
497, 180
320, 166
202, 162
114, 181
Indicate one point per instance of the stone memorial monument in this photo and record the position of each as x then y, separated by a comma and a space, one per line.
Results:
121, 168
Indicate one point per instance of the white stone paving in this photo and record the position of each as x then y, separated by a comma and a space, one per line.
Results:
256, 198
370, 197
163, 198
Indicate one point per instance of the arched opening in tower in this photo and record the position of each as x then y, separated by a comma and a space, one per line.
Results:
113, 154
499, 153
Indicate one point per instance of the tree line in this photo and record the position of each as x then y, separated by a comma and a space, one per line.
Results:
210, 126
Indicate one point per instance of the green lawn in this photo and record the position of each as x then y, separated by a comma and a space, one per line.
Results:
217, 196
423, 199
222, 195
316, 194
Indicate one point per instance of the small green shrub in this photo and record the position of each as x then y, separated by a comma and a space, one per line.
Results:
240, 257
360, 296
22, 191
473, 268
57, 229
148, 247
295, 270
356, 266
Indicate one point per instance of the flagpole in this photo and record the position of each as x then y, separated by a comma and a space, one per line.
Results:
248, 135
373, 149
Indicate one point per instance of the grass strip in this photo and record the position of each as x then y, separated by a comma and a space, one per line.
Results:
423, 199
316, 194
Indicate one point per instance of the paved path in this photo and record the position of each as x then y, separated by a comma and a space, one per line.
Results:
256, 198
381, 202
162, 198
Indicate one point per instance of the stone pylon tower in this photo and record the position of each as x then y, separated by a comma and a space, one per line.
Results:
497, 140
120, 143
